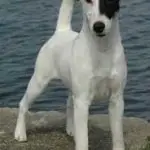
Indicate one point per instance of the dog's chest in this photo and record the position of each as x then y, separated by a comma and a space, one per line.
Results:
100, 87
103, 81
103, 85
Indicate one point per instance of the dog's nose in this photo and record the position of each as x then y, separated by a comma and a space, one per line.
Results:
99, 27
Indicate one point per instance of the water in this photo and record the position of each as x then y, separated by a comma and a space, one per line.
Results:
26, 25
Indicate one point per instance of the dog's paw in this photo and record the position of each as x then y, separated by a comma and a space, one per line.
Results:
70, 131
20, 135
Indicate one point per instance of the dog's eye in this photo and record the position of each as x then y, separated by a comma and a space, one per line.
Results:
89, 1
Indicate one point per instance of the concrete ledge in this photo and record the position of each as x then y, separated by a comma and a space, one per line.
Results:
46, 131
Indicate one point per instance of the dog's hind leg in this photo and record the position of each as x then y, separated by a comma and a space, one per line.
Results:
70, 116
43, 73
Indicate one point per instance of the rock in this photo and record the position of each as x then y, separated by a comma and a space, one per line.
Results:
46, 131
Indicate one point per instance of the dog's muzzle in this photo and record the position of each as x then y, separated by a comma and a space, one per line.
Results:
98, 28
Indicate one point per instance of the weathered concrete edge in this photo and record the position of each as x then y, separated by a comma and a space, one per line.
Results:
133, 126
59, 113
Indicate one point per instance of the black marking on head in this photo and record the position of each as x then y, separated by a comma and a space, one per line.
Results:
109, 7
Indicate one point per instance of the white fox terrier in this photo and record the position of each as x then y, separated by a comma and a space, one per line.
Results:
90, 63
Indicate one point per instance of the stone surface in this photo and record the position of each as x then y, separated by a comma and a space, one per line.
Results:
46, 131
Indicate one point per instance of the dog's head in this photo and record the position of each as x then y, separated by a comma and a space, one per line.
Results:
99, 14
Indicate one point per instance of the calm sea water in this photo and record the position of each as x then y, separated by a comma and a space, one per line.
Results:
24, 27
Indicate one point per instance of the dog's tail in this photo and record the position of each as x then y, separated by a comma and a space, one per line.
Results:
65, 15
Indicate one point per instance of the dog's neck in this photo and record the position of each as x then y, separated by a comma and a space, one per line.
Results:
105, 43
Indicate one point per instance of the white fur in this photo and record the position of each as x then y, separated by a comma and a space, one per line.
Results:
91, 67
45, 68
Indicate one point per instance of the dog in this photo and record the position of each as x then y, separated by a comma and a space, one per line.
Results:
92, 65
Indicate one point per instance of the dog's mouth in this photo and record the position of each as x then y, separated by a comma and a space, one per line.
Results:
100, 34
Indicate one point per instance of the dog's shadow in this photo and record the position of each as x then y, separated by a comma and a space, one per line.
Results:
57, 139
99, 139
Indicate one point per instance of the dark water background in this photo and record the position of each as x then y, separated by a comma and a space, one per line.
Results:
26, 24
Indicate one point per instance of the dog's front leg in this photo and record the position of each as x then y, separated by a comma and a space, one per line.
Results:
116, 109
81, 111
